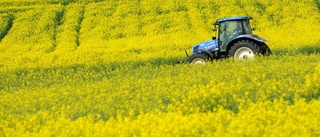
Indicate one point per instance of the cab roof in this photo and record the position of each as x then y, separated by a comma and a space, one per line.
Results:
237, 18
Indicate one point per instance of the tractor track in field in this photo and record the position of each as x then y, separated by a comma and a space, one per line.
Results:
9, 25
58, 22
78, 28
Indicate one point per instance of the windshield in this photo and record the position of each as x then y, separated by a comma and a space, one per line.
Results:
231, 29
228, 30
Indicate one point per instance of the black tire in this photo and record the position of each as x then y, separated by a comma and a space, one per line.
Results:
264, 50
198, 59
242, 50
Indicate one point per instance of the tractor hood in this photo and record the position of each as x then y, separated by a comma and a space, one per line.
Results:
210, 45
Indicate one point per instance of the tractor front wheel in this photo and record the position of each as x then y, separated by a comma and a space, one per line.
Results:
243, 50
198, 59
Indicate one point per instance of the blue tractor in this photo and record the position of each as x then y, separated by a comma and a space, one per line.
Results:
234, 39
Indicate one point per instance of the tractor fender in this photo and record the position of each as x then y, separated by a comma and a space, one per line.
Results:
254, 38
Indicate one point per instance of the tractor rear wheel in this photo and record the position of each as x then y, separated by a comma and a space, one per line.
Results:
243, 50
198, 59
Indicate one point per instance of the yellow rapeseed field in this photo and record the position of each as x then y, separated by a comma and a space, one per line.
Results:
116, 68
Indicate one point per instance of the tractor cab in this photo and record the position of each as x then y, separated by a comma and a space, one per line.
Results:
234, 39
230, 28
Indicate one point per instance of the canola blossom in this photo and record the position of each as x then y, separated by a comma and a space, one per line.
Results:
116, 68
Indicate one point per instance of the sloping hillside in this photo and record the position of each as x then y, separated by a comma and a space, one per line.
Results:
107, 30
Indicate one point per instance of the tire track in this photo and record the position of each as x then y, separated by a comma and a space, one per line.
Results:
78, 28
58, 22
6, 29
